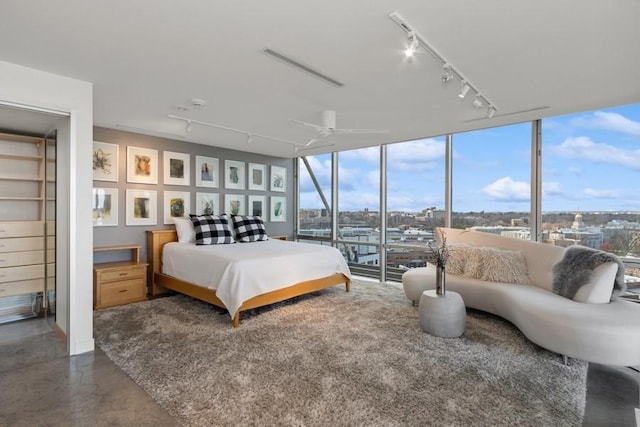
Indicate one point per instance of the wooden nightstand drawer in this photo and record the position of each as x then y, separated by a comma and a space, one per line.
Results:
122, 274
123, 292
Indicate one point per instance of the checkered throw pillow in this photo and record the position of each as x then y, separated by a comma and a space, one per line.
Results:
212, 230
248, 228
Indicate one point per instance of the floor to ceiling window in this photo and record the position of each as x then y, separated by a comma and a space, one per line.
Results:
591, 170
492, 180
314, 218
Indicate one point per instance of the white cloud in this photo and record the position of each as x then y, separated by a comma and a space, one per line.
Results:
551, 189
601, 194
575, 171
609, 121
424, 154
369, 155
584, 148
507, 189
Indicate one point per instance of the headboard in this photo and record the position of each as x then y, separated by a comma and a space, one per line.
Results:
156, 239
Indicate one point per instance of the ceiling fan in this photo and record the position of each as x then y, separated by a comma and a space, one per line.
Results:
328, 128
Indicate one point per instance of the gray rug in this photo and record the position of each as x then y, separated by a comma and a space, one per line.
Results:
337, 358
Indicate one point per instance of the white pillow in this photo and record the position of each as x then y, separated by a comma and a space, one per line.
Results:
501, 265
599, 290
185, 230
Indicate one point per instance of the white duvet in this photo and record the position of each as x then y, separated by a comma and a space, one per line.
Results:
240, 271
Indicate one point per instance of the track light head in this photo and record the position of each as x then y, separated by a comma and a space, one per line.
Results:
189, 126
249, 138
491, 111
412, 44
464, 89
447, 75
477, 102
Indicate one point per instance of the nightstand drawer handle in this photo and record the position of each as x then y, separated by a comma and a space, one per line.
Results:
123, 274
123, 291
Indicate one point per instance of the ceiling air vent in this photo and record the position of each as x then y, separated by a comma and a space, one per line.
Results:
292, 62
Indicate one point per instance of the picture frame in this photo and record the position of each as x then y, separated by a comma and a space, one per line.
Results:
177, 168
142, 206
278, 179
257, 177
176, 204
256, 206
278, 209
142, 165
105, 161
234, 204
207, 204
234, 175
207, 172
105, 207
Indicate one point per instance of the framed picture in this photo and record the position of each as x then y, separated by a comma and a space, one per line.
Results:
142, 165
105, 207
234, 204
278, 179
176, 204
256, 206
207, 204
234, 175
278, 209
257, 177
207, 172
105, 161
177, 168
142, 207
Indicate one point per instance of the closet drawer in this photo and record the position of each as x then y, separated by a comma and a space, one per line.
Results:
21, 287
12, 259
13, 274
21, 229
21, 244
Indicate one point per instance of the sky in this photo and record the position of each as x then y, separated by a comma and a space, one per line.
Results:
590, 162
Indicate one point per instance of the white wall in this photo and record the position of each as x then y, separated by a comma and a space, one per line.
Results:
29, 87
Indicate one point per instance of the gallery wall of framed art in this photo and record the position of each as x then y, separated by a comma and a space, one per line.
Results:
142, 182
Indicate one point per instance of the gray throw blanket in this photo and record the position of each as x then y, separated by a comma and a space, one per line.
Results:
576, 269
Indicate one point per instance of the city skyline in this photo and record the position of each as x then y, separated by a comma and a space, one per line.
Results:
590, 162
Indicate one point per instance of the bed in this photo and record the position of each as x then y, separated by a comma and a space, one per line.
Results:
244, 275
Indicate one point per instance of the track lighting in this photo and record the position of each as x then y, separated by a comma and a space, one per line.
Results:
415, 41
412, 45
250, 135
477, 102
464, 89
446, 75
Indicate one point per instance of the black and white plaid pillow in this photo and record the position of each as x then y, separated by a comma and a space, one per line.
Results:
249, 228
212, 230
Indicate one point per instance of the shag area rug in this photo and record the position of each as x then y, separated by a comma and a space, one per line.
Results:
337, 359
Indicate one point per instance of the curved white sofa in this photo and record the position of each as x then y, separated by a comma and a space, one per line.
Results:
606, 333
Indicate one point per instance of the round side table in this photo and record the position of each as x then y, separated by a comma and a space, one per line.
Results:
442, 315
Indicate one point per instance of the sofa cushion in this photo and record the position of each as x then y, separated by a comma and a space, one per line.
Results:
490, 264
500, 265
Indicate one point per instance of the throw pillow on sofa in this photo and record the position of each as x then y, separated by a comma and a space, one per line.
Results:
501, 265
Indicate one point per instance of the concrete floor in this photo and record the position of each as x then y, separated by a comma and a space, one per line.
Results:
41, 386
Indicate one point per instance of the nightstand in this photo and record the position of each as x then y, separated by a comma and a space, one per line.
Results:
279, 237
120, 282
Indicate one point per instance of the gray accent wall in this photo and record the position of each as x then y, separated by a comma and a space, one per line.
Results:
123, 234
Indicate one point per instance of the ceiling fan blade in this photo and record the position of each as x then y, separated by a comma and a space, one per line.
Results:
318, 128
316, 139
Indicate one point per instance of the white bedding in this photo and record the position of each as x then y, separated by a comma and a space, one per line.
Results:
240, 271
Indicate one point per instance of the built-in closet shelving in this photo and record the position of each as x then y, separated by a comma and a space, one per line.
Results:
27, 246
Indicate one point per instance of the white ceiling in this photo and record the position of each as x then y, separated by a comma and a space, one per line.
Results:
531, 58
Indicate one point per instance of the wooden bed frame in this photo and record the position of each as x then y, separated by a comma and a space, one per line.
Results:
160, 284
